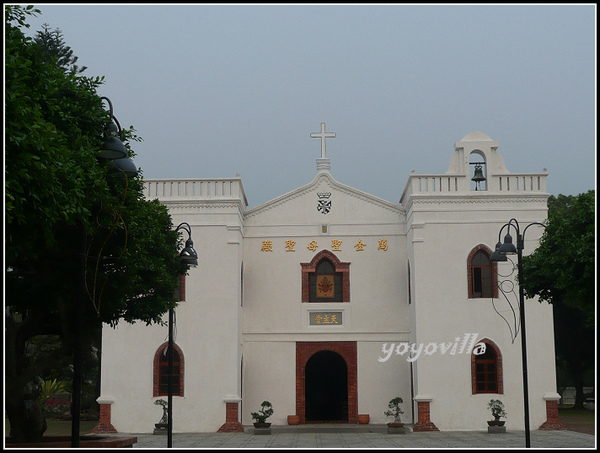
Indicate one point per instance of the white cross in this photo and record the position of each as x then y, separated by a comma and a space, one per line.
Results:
322, 135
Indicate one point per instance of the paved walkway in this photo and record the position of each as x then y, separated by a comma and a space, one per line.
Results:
365, 439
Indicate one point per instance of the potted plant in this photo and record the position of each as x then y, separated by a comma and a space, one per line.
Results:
162, 425
497, 409
260, 417
394, 411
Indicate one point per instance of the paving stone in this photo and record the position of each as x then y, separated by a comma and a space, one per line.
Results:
362, 440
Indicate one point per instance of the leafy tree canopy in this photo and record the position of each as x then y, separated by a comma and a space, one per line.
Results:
54, 185
62, 209
562, 268
561, 271
53, 44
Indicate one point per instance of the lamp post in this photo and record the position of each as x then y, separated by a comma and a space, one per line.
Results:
115, 151
188, 256
508, 248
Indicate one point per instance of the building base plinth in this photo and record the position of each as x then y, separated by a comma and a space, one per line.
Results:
231, 425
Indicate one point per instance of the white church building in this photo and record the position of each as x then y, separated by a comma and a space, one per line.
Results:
329, 302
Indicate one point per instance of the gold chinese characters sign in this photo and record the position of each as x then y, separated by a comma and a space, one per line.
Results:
313, 245
323, 318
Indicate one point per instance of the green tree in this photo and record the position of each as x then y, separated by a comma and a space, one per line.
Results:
53, 44
64, 212
561, 271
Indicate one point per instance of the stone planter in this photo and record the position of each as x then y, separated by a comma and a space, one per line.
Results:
363, 419
396, 428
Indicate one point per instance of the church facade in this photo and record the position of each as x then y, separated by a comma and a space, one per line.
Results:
329, 302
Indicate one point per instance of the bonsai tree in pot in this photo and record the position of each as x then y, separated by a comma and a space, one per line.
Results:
260, 417
395, 412
497, 409
164, 421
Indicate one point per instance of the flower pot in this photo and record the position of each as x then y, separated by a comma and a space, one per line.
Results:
396, 428
262, 425
496, 422
262, 428
293, 419
363, 419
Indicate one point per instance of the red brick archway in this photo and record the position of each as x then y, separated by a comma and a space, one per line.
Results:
304, 351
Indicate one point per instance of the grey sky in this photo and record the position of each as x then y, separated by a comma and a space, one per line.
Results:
216, 90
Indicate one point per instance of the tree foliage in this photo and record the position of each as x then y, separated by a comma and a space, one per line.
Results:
49, 167
561, 271
562, 268
63, 209
54, 46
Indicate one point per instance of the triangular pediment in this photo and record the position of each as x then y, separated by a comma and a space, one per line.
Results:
323, 200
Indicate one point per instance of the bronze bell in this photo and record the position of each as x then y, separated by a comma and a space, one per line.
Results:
478, 176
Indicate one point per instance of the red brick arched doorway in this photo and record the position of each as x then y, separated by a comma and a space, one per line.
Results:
346, 350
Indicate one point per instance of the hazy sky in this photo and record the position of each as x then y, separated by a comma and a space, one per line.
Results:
216, 90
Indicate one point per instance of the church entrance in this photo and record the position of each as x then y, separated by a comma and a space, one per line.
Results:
326, 375
326, 382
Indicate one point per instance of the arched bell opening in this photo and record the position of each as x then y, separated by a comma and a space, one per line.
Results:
478, 170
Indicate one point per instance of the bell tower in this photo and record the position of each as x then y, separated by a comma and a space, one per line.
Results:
477, 159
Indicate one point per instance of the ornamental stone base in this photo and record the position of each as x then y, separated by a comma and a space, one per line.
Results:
552, 422
424, 422
232, 424
104, 426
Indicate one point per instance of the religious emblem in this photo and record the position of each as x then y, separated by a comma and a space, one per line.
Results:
323, 136
324, 204
325, 286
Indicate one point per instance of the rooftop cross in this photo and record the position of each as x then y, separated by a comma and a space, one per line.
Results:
323, 136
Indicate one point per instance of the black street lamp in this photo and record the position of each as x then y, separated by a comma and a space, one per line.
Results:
188, 256
508, 248
115, 151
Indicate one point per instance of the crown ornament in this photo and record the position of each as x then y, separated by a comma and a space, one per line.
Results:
323, 194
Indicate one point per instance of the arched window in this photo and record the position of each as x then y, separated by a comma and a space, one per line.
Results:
486, 369
482, 273
325, 279
161, 371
